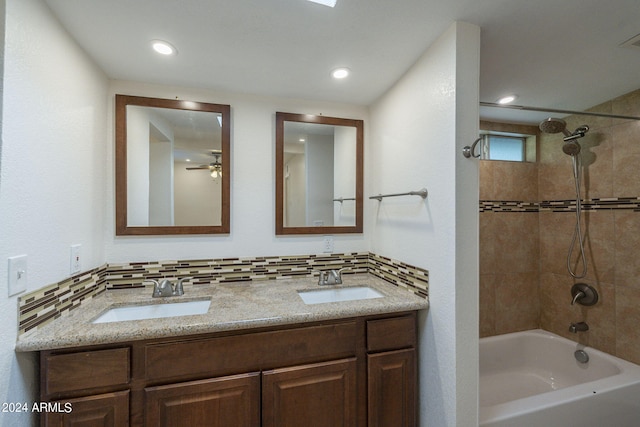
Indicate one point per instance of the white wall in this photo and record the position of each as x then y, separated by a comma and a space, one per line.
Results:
344, 175
318, 155
52, 169
418, 129
252, 189
197, 196
138, 166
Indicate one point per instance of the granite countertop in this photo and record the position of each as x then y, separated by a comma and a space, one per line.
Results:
234, 306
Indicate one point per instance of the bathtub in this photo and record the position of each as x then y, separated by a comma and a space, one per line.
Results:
532, 379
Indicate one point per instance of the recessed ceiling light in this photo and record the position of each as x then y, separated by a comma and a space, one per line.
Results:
340, 73
507, 99
163, 47
330, 3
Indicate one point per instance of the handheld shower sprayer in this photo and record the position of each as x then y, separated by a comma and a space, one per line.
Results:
572, 148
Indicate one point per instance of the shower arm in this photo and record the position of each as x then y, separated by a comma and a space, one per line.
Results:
553, 110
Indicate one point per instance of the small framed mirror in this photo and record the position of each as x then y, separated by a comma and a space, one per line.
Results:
172, 167
319, 174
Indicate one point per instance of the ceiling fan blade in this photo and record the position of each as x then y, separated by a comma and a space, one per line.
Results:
198, 167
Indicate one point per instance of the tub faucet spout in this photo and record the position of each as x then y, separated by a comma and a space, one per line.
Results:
578, 327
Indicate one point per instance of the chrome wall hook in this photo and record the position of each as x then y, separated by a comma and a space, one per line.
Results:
470, 151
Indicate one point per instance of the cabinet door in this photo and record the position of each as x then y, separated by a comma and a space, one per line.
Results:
392, 389
104, 410
217, 402
316, 395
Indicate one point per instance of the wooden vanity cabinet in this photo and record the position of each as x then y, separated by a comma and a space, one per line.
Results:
347, 372
391, 372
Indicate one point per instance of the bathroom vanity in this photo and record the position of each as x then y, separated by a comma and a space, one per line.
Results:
340, 364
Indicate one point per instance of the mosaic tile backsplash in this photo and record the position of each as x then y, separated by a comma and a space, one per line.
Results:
44, 305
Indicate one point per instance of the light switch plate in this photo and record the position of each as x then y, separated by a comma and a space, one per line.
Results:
74, 259
17, 274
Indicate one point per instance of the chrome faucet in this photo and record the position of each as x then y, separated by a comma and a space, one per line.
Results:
578, 327
166, 288
331, 277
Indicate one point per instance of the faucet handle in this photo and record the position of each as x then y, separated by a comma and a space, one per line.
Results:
322, 277
179, 288
584, 294
156, 287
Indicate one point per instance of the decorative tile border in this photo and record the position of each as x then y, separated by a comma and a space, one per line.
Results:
591, 205
400, 274
233, 269
508, 206
49, 303
611, 203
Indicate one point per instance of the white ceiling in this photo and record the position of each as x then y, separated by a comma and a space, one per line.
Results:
552, 53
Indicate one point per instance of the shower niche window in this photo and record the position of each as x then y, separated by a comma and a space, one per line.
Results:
514, 143
500, 147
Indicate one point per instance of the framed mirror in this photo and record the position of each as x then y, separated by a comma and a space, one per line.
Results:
172, 167
319, 174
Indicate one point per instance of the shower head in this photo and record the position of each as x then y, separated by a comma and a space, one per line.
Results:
571, 147
554, 125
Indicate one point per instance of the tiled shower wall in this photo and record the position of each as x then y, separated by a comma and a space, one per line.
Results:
611, 190
509, 247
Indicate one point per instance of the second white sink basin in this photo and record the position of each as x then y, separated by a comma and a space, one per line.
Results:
338, 294
153, 311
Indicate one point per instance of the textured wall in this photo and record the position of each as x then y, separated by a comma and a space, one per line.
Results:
418, 129
509, 248
52, 191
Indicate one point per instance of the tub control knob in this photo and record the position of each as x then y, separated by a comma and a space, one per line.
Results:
583, 294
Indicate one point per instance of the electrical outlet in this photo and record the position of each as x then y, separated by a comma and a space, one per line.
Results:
17, 274
327, 244
74, 260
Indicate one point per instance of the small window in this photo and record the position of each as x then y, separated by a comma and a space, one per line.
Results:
501, 147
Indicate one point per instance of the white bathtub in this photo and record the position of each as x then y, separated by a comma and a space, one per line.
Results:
532, 379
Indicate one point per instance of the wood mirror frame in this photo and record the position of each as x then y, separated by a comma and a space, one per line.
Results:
281, 118
122, 227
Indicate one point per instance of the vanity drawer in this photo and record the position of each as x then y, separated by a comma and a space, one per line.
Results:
251, 352
85, 370
392, 333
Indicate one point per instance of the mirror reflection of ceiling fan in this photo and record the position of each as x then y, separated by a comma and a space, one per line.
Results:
215, 167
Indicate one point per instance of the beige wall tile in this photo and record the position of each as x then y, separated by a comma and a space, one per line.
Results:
628, 105
486, 180
487, 305
601, 319
517, 302
627, 321
627, 248
626, 158
516, 242
515, 181
486, 242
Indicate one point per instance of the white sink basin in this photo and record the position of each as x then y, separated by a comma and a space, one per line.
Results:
338, 294
153, 311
